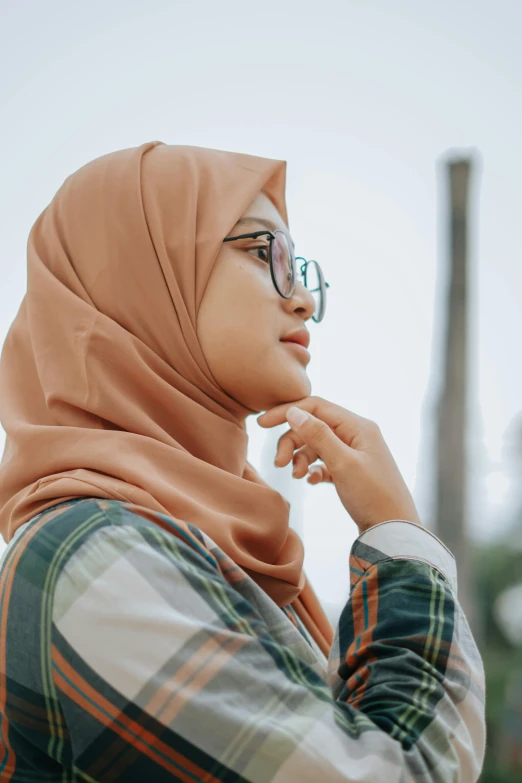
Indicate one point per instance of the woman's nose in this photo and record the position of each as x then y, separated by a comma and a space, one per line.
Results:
302, 300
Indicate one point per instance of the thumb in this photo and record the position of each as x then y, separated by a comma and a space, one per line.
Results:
316, 433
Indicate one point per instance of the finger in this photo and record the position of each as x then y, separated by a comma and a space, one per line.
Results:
319, 474
286, 445
300, 465
302, 459
316, 474
324, 410
276, 415
317, 434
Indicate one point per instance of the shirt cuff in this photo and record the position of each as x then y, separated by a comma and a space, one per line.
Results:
398, 539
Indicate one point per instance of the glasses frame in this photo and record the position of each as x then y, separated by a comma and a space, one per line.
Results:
294, 259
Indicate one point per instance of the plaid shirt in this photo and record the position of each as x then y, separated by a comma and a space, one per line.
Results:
133, 649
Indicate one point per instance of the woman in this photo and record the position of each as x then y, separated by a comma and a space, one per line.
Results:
156, 622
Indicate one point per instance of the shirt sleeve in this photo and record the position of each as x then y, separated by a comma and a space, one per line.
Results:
164, 672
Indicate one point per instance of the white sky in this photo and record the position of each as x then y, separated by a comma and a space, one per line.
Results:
364, 101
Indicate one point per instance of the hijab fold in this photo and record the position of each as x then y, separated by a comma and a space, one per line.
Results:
104, 388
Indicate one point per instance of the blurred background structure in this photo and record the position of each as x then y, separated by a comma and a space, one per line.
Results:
451, 464
401, 124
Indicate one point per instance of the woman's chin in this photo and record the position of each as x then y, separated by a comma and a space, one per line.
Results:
288, 384
295, 384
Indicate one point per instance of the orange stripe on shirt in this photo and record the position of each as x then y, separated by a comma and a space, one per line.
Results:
6, 585
106, 713
364, 614
192, 677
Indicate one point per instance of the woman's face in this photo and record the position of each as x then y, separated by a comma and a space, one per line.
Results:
242, 319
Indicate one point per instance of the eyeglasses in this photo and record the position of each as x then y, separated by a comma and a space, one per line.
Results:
283, 269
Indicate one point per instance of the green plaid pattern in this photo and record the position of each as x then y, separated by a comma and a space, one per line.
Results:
133, 649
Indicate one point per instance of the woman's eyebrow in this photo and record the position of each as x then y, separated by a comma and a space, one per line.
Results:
264, 222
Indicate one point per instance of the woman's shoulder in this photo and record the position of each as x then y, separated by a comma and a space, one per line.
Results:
67, 564
77, 552
92, 578
85, 534
64, 550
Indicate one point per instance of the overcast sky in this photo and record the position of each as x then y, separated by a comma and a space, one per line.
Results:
365, 101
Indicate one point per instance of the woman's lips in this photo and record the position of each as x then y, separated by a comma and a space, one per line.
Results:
300, 350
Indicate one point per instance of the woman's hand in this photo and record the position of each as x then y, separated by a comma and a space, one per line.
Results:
355, 458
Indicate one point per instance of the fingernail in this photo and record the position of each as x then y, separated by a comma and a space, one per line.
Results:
296, 416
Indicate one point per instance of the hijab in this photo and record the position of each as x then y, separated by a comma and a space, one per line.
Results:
104, 389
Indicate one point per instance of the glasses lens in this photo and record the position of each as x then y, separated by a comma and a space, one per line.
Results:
283, 264
316, 286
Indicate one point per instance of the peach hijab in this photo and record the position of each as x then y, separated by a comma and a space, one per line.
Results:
104, 389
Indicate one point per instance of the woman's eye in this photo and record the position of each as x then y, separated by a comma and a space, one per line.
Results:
263, 249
